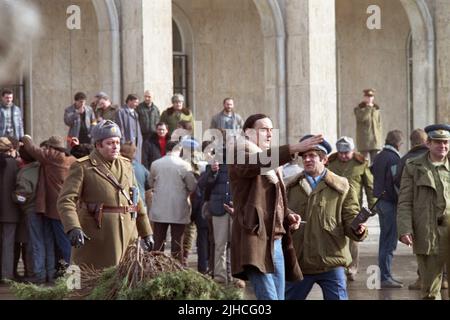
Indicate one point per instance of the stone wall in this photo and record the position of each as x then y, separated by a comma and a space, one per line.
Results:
64, 62
442, 15
372, 58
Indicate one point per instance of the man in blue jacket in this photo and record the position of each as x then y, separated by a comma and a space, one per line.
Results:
384, 170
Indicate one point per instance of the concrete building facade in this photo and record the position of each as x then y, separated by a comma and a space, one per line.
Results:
303, 62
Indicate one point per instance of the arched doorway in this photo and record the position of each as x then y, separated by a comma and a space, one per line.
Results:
394, 60
272, 25
423, 62
180, 63
109, 41
183, 50
239, 51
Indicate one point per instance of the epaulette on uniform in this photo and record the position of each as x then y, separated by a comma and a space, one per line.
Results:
83, 159
124, 158
359, 158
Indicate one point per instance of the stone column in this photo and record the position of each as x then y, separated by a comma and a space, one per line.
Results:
311, 68
147, 49
442, 21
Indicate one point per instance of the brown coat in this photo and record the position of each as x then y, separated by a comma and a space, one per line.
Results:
252, 230
55, 167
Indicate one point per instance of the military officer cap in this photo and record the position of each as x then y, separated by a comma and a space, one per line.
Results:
105, 129
438, 131
324, 146
345, 144
369, 92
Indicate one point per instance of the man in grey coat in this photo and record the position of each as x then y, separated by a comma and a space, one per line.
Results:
127, 119
80, 118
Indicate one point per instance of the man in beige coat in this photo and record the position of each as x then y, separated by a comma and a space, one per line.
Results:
172, 180
95, 204
368, 126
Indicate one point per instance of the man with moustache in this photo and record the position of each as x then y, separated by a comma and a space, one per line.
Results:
95, 204
424, 209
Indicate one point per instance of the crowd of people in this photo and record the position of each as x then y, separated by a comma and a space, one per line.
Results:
282, 217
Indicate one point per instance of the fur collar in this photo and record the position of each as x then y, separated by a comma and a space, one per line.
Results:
338, 183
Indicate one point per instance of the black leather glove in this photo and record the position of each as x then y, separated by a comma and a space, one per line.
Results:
77, 237
149, 243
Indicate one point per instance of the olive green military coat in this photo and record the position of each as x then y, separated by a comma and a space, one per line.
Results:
86, 184
417, 212
322, 244
368, 127
358, 174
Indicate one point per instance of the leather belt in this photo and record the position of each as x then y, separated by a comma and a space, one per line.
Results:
125, 209
109, 209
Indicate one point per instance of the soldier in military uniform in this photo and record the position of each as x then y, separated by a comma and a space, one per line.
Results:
98, 212
368, 126
328, 205
424, 208
353, 166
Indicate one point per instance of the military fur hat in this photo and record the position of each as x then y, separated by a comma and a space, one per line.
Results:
105, 129
438, 131
345, 144
369, 92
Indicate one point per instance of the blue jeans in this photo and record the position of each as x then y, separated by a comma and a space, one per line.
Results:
333, 284
387, 213
61, 239
42, 245
270, 286
202, 249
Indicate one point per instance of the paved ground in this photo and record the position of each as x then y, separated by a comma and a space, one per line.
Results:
404, 269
